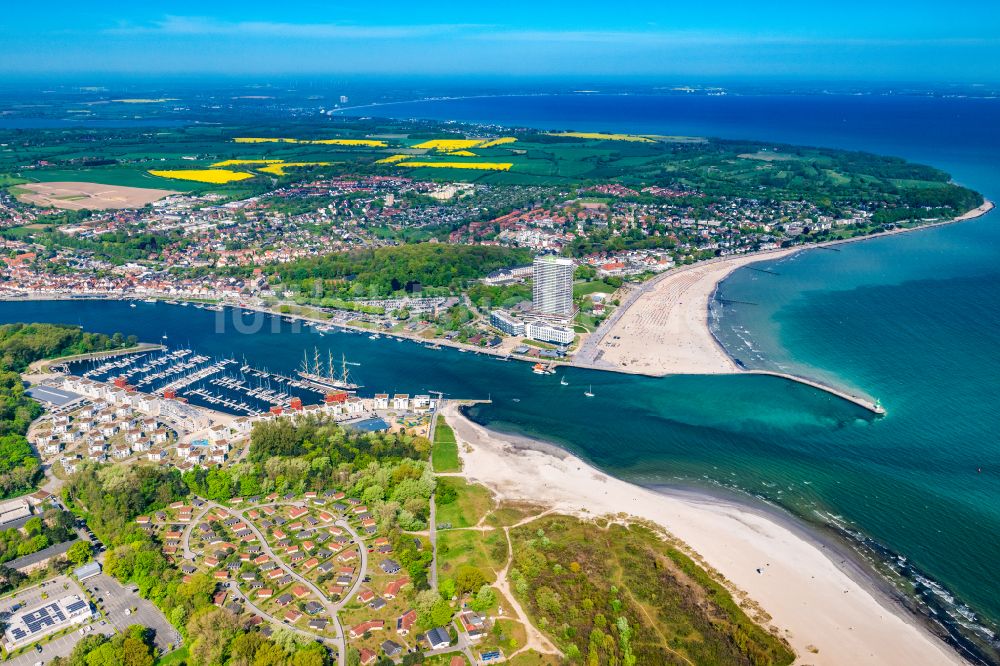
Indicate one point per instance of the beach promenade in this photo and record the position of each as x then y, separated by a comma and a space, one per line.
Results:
662, 326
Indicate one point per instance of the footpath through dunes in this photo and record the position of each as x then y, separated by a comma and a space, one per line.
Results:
826, 608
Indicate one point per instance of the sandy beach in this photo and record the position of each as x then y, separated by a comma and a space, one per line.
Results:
827, 615
662, 326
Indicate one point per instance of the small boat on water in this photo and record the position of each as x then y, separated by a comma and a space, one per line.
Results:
164, 336
131, 305
589, 392
563, 381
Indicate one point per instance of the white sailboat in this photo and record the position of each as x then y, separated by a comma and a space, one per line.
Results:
589, 392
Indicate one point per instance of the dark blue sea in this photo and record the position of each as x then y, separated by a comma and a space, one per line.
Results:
913, 320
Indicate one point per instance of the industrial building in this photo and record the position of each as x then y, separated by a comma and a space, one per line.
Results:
31, 625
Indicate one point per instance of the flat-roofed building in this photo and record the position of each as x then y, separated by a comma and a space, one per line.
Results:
33, 624
507, 323
546, 332
14, 509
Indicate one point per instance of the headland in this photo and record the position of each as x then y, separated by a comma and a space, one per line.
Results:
662, 327
827, 609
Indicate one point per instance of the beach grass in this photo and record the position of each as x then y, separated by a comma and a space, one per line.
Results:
486, 551
444, 454
572, 572
469, 503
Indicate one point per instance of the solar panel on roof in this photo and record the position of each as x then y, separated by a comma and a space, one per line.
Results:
74, 606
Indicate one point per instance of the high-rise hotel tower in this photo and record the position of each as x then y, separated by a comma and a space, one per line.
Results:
553, 286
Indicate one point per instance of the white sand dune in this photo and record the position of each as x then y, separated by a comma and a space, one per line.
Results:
827, 615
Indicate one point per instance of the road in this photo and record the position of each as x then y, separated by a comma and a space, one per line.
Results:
432, 520
331, 608
59, 647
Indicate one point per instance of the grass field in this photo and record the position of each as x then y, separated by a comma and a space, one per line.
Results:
178, 656
471, 503
486, 551
123, 157
444, 455
592, 287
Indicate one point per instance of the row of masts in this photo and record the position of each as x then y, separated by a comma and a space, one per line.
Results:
327, 376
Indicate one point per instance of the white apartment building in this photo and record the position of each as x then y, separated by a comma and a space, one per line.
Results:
552, 291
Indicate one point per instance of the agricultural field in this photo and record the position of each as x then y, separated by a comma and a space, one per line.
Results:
268, 155
93, 196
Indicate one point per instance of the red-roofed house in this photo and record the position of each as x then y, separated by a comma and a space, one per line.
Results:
393, 588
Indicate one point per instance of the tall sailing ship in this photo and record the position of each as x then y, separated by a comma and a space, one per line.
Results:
325, 375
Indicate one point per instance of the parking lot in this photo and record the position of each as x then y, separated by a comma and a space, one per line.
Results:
32, 597
115, 599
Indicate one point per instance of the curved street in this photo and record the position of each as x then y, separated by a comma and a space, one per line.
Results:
329, 606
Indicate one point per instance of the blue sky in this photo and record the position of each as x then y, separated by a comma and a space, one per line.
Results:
874, 40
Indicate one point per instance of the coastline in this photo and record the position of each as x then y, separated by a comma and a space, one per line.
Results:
692, 347
663, 328
830, 608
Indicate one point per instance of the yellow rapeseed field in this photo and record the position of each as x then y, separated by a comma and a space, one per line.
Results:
462, 153
497, 142
371, 143
214, 176
279, 169
226, 163
393, 158
488, 166
600, 136
448, 145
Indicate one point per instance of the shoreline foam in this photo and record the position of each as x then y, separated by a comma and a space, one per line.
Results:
830, 612
663, 327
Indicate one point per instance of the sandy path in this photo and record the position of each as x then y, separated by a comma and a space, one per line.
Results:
827, 616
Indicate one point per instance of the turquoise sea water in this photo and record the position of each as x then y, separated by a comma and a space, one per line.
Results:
911, 319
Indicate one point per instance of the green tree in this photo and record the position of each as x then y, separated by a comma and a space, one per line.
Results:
79, 553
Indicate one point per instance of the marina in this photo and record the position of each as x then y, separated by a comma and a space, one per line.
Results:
220, 383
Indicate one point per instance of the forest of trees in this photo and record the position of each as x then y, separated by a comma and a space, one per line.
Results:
387, 270
111, 496
133, 647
